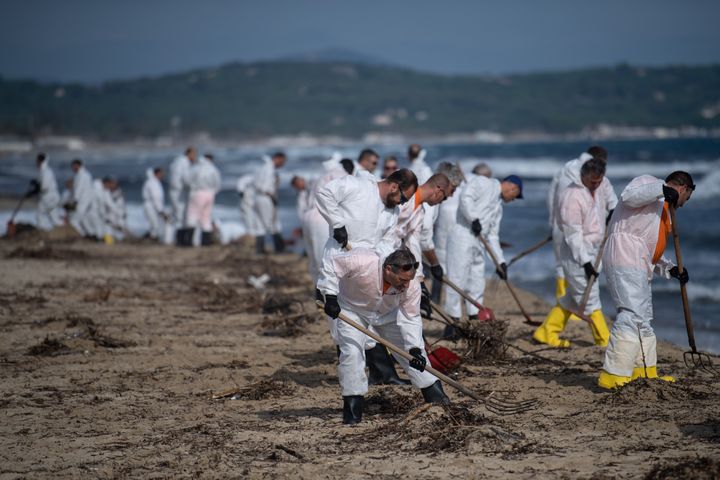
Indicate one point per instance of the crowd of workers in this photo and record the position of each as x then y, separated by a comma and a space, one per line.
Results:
367, 239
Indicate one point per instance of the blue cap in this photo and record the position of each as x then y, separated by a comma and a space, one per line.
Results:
516, 180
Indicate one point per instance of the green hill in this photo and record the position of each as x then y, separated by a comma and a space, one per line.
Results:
351, 99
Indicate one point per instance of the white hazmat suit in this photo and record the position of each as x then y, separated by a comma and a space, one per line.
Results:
395, 316
265, 185
177, 186
204, 183
48, 214
481, 200
84, 218
633, 236
154, 204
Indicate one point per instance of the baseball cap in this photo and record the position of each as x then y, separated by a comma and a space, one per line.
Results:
517, 181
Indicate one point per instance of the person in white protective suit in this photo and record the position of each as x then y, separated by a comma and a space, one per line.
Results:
48, 213
265, 183
384, 294
246, 192
83, 217
366, 164
408, 229
119, 210
204, 181
638, 235
568, 175
316, 229
390, 165
581, 213
360, 214
431, 226
416, 156
178, 185
102, 210
479, 213
154, 203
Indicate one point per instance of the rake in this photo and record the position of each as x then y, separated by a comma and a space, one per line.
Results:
497, 405
528, 319
530, 250
693, 358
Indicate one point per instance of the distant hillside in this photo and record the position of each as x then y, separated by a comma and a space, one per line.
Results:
288, 97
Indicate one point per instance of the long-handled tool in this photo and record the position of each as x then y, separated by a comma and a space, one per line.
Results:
692, 358
11, 229
530, 250
493, 404
464, 294
528, 320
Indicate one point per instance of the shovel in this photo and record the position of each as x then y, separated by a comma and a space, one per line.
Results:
692, 358
463, 293
528, 320
496, 405
530, 250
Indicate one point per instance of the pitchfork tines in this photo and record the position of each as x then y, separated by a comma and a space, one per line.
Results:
700, 361
503, 406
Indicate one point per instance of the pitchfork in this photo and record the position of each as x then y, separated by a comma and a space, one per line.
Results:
495, 405
692, 358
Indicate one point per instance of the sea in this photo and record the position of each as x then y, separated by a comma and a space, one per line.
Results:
524, 221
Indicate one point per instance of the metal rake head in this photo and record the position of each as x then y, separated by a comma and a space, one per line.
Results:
700, 361
503, 406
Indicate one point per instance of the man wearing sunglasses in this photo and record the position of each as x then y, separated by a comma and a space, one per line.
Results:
360, 214
479, 213
383, 294
390, 165
638, 232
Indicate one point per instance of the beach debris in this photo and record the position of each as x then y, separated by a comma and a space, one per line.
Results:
100, 294
258, 282
390, 400
483, 340
700, 468
49, 347
285, 316
46, 252
257, 391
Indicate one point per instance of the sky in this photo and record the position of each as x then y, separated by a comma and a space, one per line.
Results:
98, 40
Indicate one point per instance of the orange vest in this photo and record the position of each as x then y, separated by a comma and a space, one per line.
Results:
665, 229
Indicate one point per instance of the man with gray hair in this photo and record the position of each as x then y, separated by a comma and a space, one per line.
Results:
393, 311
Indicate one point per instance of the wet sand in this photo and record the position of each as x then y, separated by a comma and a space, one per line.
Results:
110, 355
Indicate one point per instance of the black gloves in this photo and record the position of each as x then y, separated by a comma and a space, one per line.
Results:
476, 227
340, 235
319, 295
609, 216
425, 300
502, 271
437, 271
332, 308
590, 270
418, 362
682, 277
671, 195
33, 189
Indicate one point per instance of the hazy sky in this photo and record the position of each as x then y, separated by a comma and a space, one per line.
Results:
97, 40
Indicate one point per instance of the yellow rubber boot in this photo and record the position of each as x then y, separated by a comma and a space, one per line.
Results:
108, 239
600, 331
650, 372
560, 287
550, 330
610, 381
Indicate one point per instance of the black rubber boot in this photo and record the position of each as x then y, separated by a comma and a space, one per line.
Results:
352, 409
279, 242
260, 244
381, 367
183, 237
206, 239
435, 394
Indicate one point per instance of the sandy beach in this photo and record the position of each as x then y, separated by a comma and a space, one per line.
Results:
110, 356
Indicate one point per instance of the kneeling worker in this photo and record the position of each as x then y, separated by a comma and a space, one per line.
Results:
384, 295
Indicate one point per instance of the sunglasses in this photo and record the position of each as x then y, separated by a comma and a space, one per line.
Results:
403, 198
407, 267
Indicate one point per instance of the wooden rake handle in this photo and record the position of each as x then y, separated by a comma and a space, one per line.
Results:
530, 250
407, 356
683, 290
